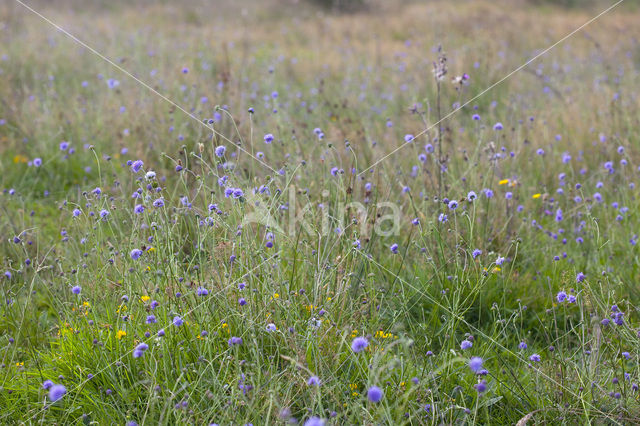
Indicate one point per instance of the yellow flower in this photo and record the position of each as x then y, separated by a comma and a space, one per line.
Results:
535, 196
503, 182
20, 159
19, 364
120, 334
151, 249
144, 298
496, 269
276, 296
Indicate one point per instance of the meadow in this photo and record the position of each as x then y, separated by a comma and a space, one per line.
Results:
270, 212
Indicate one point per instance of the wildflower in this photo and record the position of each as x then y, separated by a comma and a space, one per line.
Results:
158, 203
268, 138
136, 166
151, 319
471, 196
475, 364
481, 387
76, 289
498, 126
466, 344
120, 334
177, 321
201, 291
235, 341
374, 394
561, 296
220, 150
140, 350
150, 175
135, 254
313, 381
359, 344
271, 327
580, 277
522, 345
408, 138
314, 421
104, 214
394, 248
442, 218
56, 392
138, 209
476, 253
453, 204
535, 358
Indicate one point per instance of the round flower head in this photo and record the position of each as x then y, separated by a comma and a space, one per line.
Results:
475, 364
374, 394
561, 296
535, 358
177, 321
268, 138
466, 344
394, 248
220, 150
201, 291
359, 344
408, 138
453, 204
313, 381
136, 166
314, 421
76, 289
56, 392
135, 254
47, 384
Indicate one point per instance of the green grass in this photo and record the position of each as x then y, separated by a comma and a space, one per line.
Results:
291, 253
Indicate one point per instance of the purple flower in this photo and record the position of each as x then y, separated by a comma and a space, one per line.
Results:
56, 392
535, 358
201, 291
158, 203
374, 394
580, 277
64, 145
220, 150
453, 204
522, 345
135, 254
475, 364
394, 248
235, 341
177, 321
151, 319
481, 387
476, 253
359, 344
136, 166
37, 161
408, 138
561, 296
314, 421
466, 344
47, 384
498, 126
313, 381
76, 289
268, 138
138, 209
